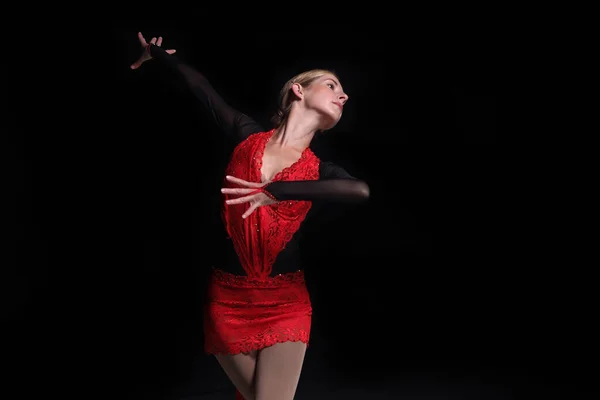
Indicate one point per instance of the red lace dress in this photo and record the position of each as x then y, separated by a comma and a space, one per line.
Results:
257, 296
258, 310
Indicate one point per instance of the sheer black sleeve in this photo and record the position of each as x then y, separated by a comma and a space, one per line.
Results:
334, 185
231, 121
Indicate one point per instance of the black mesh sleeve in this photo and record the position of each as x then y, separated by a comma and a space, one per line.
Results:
231, 121
334, 185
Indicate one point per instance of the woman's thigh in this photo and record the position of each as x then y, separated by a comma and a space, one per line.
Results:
278, 371
240, 368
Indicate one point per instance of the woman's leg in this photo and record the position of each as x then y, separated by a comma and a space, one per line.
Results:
240, 369
278, 371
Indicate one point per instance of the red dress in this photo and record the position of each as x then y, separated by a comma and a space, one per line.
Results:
246, 313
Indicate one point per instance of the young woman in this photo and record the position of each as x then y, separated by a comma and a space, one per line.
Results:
258, 314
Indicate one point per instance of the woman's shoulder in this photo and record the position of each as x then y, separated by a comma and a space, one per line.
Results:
255, 137
330, 169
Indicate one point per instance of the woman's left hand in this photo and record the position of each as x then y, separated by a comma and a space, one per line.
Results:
252, 193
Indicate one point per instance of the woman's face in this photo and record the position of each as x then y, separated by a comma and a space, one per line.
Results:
326, 96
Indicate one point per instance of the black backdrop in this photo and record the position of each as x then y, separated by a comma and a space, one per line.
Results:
117, 198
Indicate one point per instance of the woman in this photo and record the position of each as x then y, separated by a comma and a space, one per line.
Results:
258, 313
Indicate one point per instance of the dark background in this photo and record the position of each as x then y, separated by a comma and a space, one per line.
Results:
423, 291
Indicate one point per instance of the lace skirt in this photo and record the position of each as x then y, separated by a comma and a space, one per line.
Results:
244, 314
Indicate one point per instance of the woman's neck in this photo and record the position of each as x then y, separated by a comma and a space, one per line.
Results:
295, 132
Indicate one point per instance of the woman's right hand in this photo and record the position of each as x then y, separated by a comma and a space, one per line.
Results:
145, 53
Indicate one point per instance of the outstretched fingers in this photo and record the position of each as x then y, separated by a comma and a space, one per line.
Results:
250, 198
250, 210
243, 182
237, 191
241, 200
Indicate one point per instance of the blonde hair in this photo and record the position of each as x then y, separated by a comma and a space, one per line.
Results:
286, 95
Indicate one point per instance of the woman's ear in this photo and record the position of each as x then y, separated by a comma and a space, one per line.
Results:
298, 90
